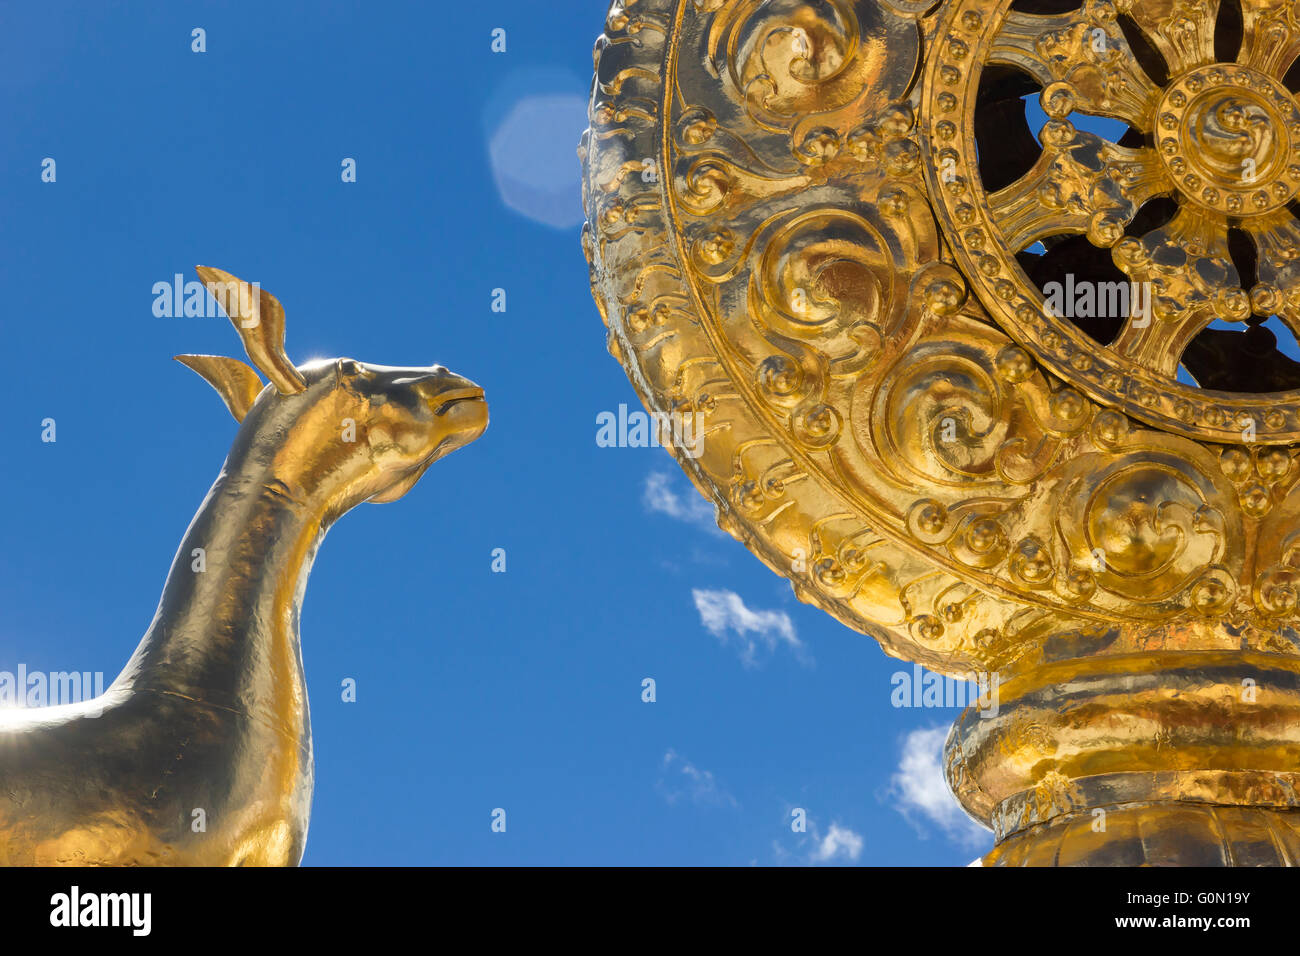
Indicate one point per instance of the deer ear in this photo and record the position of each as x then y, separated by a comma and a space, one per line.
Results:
236, 383
258, 317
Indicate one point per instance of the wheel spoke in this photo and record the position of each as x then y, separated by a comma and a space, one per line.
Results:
1087, 51
1183, 272
1182, 30
1271, 35
1080, 184
1158, 346
1277, 245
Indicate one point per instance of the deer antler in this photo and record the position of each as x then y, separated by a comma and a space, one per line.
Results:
258, 317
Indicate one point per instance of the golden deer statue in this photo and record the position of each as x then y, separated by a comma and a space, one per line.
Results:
200, 753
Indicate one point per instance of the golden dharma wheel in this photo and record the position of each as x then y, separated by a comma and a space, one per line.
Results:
977, 305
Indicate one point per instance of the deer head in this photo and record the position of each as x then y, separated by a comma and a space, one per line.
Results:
334, 432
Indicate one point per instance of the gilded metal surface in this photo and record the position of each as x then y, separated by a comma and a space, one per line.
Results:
1219, 138
200, 751
790, 237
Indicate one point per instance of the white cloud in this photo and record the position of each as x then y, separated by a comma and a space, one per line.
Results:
684, 779
838, 842
921, 791
692, 508
725, 615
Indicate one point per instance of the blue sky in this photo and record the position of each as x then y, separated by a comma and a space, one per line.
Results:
476, 690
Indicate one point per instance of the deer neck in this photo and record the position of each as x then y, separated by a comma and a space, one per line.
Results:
226, 630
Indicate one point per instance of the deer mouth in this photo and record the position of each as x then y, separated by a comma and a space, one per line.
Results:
456, 397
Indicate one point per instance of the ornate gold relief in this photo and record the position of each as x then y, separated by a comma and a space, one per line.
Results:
896, 418
1220, 139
